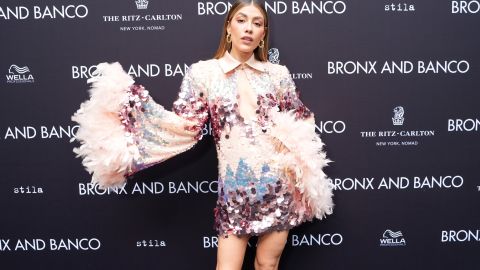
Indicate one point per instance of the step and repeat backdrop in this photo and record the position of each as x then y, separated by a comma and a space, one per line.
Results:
394, 86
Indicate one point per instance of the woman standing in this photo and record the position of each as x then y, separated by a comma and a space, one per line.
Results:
270, 158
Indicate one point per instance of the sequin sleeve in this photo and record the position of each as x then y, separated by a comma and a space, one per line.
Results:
160, 134
122, 130
289, 97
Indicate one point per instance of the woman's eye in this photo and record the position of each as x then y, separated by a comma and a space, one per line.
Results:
240, 20
258, 24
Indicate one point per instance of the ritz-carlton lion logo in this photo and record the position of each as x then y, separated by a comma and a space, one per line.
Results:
398, 118
273, 55
141, 4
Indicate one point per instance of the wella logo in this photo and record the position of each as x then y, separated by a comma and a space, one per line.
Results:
18, 74
391, 238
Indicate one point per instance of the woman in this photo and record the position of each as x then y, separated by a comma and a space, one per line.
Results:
270, 158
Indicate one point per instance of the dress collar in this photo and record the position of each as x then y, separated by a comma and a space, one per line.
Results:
229, 63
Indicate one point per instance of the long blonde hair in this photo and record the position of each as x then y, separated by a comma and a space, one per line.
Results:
261, 54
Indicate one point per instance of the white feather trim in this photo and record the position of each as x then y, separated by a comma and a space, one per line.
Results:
307, 159
104, 148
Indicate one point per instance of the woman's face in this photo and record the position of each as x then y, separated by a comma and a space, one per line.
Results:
247, 28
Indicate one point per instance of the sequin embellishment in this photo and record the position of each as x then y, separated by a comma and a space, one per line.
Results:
248, 205
136, 98
255, 194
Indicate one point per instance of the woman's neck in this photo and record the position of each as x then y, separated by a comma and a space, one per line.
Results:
240, 56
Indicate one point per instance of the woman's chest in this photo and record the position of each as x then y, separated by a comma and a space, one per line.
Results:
232, 85
240, 98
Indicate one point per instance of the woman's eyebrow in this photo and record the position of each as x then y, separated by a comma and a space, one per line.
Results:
245, 15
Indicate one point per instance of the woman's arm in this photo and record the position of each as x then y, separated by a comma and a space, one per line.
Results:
122, 130
290, 99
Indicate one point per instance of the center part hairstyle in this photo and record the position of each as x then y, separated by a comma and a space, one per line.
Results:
261, 54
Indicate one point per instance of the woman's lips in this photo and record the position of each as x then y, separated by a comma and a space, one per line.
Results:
247, 39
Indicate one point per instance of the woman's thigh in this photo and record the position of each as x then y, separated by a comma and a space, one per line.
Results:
230, 252
270, 247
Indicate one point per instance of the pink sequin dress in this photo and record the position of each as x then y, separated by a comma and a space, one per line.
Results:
270, 158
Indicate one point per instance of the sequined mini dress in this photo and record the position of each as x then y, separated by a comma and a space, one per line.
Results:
270, 159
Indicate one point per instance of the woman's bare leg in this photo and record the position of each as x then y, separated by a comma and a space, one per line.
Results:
269, 249
230, 252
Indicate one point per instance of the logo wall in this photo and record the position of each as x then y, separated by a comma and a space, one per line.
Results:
397, 137
151, 243
274, 58
465, 7
151, 188
400, 7
137, 71
278, 7
51, 244
321, 239
392, 239
17, 74
39, 132
143, 21
463, 125
398, 183
460, 236
44, 12
371, 67
295, 240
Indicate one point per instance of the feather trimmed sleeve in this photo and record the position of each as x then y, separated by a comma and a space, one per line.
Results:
294, 128
122, 130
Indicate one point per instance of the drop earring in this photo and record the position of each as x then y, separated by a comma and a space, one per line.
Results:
262, 43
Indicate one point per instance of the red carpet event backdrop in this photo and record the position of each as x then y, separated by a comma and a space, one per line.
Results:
394, 85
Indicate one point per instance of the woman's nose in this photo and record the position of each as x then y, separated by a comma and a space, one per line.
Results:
248, 27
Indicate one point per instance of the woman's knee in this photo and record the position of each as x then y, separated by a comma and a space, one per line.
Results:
266, 263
